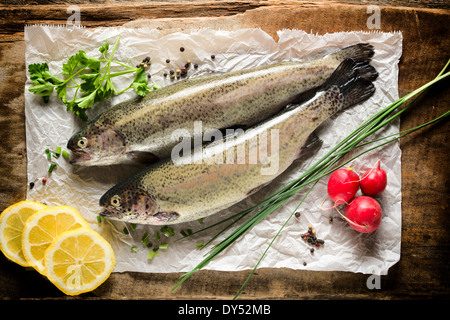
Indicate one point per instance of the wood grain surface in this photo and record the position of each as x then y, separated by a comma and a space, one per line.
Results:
423, 270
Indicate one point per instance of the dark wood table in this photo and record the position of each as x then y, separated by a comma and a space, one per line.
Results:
424, 268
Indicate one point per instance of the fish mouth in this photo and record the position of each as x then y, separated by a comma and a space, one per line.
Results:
159, 218
80, 158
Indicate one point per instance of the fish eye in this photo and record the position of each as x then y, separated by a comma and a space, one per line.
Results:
115, 201
82, 142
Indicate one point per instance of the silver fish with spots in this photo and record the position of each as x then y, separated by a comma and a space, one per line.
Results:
140, 130
172, 192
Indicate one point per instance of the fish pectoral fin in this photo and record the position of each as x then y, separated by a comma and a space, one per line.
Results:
143, 157
166, 216
312, 144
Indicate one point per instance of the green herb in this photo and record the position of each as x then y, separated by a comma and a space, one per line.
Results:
157, 236
99, 219
153, 253
49, 155
200, 220
52, 167
134, 249
65, 154
125, 230
200, 245
58, 151
167, 231
145, 241
132, 227
326, 165
163, 246
90, 78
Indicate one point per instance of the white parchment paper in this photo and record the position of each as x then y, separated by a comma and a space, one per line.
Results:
49, 125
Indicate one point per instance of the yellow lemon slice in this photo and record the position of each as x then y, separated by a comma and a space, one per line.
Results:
43, 227
12, 222
79, 261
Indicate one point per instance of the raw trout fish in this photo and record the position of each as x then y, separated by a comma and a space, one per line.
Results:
140, 129
170, 192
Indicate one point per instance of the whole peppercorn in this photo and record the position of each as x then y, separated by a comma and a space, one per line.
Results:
167, 60
213, 56
195, 66
182, 49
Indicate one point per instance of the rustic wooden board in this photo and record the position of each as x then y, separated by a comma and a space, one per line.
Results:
423, 271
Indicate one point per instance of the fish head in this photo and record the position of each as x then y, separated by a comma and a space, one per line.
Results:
133, 205
96, 145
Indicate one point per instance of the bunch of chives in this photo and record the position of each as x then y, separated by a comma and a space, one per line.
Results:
323, 167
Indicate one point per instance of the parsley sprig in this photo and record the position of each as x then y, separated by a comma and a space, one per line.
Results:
90, 77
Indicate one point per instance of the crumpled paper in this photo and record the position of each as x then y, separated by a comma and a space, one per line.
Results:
49, 125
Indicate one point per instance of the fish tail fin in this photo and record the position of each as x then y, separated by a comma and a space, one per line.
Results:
361, 52
355, 91
350, 83
349, 69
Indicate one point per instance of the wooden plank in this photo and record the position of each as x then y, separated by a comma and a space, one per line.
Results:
423, 269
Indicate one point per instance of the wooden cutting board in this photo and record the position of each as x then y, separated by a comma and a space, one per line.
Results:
423, 270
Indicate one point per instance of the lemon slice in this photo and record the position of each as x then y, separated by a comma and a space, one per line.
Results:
79, 261
12, 222
43, 227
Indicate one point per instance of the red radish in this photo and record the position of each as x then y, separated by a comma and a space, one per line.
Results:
343, 185
363, 214
374, 181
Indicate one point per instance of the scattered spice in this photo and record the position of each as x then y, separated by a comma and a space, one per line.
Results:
213, 56
195, 66
297, 214
31, 185
44, 180
167, 60
304, 263
310, 237
330, 219
182, 49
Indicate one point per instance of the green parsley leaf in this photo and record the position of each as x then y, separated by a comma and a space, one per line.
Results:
95, 84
